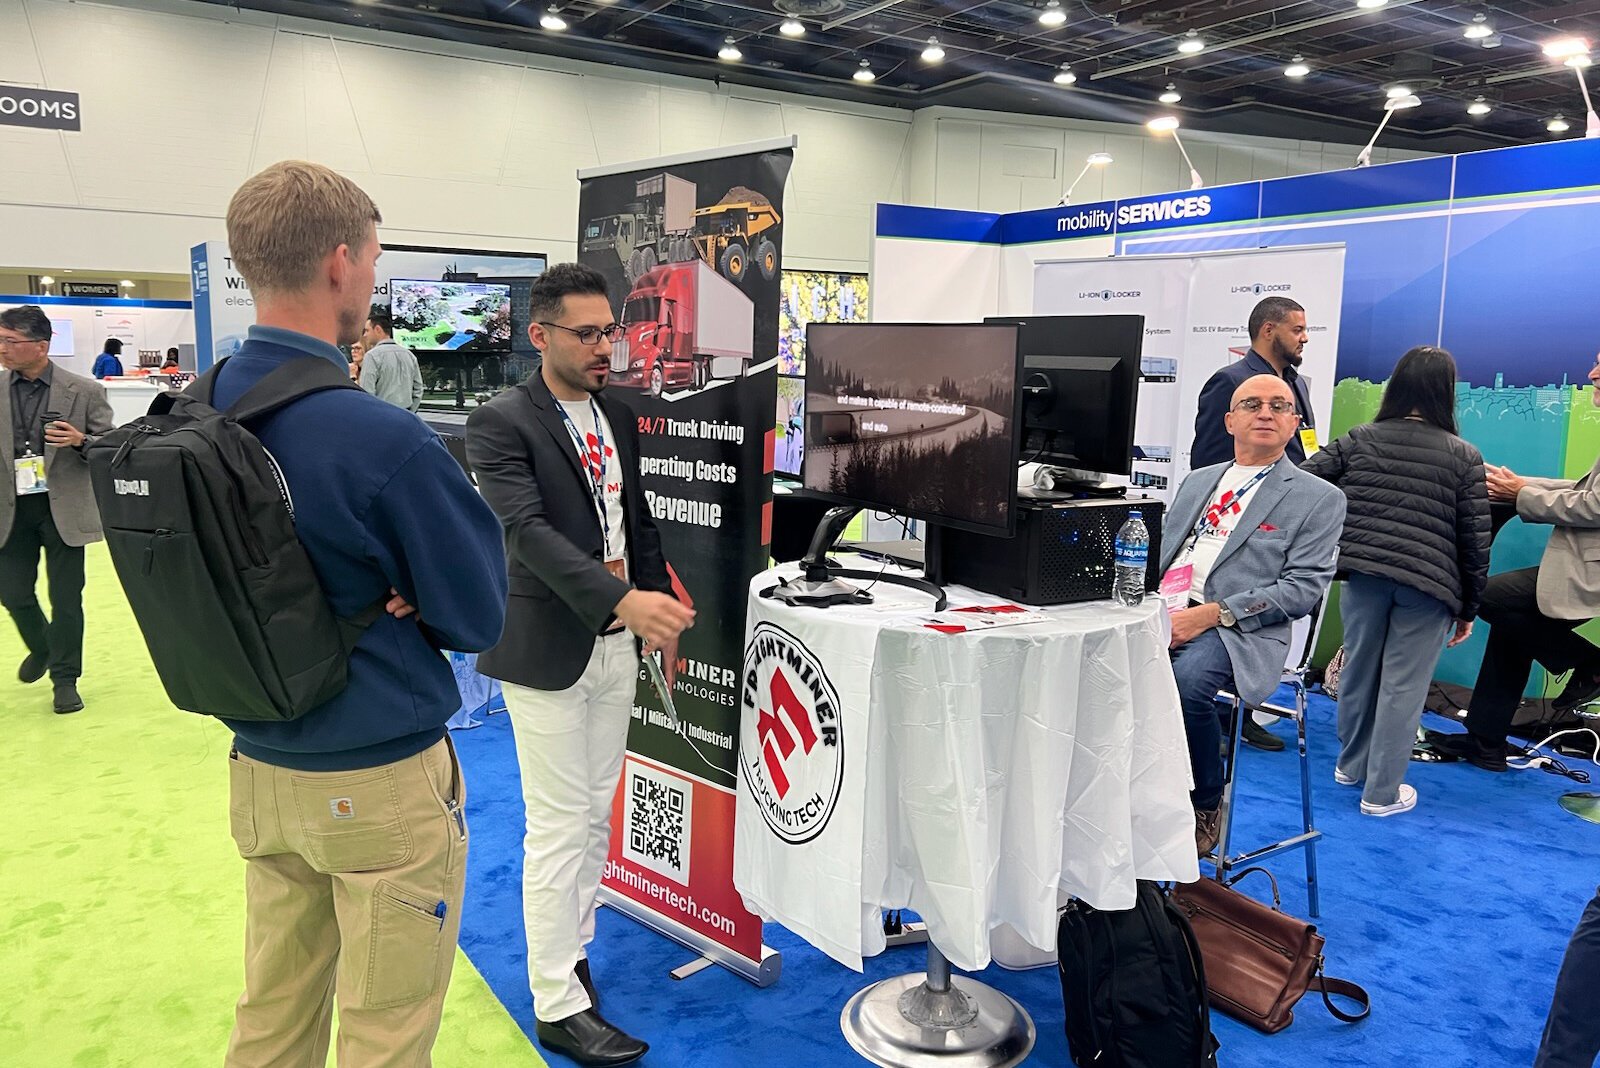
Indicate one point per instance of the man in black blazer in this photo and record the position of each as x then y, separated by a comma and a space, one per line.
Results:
559, 464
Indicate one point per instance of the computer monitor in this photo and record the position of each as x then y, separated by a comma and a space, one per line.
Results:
915, 419
1080, 385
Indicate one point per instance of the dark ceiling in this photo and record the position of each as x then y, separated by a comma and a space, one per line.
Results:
999, 57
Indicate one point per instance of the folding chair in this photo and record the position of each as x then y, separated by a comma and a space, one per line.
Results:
1295, 676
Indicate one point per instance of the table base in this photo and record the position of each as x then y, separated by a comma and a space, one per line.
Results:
931, 1018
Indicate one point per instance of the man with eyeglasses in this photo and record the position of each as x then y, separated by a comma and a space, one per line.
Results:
558, 461
1249, 549
47, 415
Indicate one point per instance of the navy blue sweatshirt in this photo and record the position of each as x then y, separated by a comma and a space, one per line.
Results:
378, 503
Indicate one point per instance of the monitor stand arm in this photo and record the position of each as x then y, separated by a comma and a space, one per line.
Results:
821, 584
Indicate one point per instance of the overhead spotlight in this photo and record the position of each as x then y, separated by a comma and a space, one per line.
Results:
1390, 106
729, 51
1096, 159
1171, 96
1191, 43
46, 280
1297, 68
864, 73
1494, 40
552, 20
1169, 124
1563, 47
1162, 124
792, 28
1479, 107
1582, 59
1052, 15
1064, 76
1478, 28
1398, 90
1370, 5
1558, 124
126, 284
933, 53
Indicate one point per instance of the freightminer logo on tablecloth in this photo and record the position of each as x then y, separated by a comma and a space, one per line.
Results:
791, 747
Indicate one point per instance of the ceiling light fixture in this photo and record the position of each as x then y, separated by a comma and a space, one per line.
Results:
1171, 96
792, 28
552, 20
1574, 52
1479, 107
1191, 43
46, 280
1052, 15
729, 52
1478, 28
1390, 106
934, 52
1096, 159
125, 284
1558, 125
1398, 90
864, 73
1370, 5
1064, 76
1297, 68
1169, 124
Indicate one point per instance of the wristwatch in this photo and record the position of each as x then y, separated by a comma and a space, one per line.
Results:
1224, 616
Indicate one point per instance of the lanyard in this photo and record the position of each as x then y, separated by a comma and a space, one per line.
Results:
595, 471
1213, 516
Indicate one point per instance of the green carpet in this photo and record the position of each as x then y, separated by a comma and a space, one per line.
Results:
123, 931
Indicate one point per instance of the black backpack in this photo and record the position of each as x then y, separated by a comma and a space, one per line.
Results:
1134, 986
200, 524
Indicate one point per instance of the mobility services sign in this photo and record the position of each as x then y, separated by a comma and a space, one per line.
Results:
42, 109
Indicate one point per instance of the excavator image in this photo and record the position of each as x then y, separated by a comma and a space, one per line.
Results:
728, 235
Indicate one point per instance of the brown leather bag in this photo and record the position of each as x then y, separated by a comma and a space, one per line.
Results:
1259, 962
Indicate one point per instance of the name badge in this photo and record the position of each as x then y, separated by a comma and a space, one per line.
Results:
30, 476
618, 568
1308, 441
1175, 587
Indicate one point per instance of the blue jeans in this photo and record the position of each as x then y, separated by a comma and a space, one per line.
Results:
1572, 1031
1202, 667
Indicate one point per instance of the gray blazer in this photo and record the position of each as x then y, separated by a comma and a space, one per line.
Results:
81, 402
1569, 572
1273, 570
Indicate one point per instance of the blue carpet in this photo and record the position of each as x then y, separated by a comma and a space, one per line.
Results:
1453, 916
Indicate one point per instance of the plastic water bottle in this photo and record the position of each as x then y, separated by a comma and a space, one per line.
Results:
1132, 557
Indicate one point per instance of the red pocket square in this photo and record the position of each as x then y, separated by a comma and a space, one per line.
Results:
1267, 528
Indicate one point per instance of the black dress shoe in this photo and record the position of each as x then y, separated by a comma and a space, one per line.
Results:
1479, 752
32, 669
67, 699
581, 970
1259, 737
1580, 690
589, 1039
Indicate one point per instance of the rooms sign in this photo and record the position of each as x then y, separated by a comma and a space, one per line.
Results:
43, 109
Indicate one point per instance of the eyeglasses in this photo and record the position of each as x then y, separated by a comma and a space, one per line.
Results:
13, 342
1253, 405
590, 335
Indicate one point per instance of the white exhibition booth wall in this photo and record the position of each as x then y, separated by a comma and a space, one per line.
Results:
82, 324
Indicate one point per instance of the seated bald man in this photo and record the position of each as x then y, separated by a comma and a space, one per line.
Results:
1249, 549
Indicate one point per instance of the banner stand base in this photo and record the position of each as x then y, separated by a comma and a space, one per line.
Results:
762, 973
694, 967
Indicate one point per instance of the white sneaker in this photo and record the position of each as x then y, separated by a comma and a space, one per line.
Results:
1344, 780
1406, 802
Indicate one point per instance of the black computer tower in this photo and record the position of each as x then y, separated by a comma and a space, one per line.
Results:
1062, 552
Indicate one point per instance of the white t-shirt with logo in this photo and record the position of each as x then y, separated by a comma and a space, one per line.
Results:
1214, 538
582, 413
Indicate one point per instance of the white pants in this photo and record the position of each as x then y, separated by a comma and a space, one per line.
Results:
569, 747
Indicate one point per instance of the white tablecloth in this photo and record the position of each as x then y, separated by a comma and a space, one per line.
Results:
968, 777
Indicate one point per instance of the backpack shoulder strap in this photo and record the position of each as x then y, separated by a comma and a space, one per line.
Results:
282, 386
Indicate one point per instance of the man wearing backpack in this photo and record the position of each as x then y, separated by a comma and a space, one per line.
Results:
350, 816
46, 416
559, 462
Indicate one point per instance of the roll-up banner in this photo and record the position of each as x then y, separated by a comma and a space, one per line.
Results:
692, 246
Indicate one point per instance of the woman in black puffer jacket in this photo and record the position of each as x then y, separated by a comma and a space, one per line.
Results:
1416, 551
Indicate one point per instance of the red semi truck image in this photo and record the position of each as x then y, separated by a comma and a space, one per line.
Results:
685, 325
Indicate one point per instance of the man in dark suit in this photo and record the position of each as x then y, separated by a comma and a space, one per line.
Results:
46, 416
1277, 346
559, 463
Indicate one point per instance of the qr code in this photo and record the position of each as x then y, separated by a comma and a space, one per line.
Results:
658, 812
